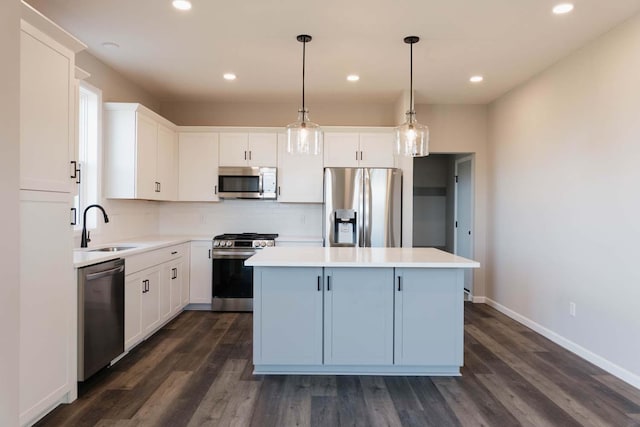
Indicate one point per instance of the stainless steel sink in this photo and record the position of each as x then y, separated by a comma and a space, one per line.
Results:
112, 249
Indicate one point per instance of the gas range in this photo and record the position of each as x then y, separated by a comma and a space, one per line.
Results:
244, 240
232, 280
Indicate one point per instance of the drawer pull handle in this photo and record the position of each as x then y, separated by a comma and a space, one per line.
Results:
174, 252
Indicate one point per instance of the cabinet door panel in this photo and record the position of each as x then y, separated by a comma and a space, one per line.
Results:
146, 143
132, 306
151, 300
167, 165
377, 150
263, 150
429, 317
46, 97
198, 170
300, 177
288, 315
165, 290
200, 273
358, 316
234, 149
341, 149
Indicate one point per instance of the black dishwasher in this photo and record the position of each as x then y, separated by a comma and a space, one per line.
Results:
100, 316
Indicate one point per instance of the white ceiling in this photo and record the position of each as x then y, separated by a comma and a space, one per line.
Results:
182, 55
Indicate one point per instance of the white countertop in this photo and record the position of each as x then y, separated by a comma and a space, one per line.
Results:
83, 256
358, 257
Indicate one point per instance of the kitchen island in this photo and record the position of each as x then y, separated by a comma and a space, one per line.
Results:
378, 311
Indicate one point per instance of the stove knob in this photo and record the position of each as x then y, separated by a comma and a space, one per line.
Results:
269, 242
263, 243
227, 243
216, 243
256, 244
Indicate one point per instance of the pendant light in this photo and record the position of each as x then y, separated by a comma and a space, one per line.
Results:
412, 138
304, 136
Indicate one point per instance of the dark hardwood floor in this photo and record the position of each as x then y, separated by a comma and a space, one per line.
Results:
197, 372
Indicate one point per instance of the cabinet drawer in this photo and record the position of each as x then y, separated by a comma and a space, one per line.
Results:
144, 260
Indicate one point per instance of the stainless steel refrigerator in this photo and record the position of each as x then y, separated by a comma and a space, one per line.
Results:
362, 207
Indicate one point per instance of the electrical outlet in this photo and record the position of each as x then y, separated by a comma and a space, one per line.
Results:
572, 309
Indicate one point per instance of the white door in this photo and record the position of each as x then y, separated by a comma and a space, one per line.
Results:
146, 162
150, 289
358, 316
132, 305
200, 273
299, 176
167, 166
263, 149
341, 150
463, 244
198, 170
234, 149
376, 150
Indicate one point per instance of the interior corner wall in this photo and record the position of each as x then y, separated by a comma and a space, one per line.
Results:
115, 87
565, 203
9, 192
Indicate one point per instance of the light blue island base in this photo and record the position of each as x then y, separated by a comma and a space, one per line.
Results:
358, 320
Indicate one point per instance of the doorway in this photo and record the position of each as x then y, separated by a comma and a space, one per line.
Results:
443, 206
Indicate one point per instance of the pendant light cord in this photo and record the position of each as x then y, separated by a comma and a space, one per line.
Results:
410, 80
304, 44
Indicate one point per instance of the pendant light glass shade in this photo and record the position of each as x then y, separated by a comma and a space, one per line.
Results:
304, 136
411, 138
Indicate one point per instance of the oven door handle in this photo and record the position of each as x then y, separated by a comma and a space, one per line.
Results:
232, 255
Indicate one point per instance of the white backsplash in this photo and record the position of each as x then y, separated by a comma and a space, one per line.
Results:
239, 216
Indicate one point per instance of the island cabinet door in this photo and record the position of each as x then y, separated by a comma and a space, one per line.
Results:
428, 317
358, 315
287, 316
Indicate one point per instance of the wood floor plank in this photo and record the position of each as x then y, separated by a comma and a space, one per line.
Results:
628, 391
324, 411
265, 413
213, 404
407, 405
352, 409
464, 408
152, 412
576, 409
239, 410
382, 411
437, 411
294, 407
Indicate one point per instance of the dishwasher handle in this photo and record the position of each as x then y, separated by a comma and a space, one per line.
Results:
102, 274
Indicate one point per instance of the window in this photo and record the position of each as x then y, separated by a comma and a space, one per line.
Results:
89, 102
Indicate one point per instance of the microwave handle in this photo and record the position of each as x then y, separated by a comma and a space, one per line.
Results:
261, 184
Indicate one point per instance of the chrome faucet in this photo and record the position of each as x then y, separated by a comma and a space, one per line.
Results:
85, 236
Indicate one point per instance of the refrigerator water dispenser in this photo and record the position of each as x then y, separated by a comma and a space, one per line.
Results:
345, 226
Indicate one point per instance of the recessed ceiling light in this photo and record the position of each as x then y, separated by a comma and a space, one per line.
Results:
476, 79
229, 76
182, 4
353, 77
110, 45
562, 8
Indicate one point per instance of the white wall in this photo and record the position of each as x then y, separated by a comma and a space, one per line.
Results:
276, 114
9, 184
565, 202
239, 216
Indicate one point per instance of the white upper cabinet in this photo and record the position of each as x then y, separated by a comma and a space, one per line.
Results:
354, 149
141, 153
47, 138
299, 176
198, 166
248, 149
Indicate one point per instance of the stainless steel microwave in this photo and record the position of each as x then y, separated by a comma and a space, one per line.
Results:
247, 183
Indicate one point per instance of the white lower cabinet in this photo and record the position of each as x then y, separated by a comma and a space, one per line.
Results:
290, 316
358, 316
428, 317
155, 288
200, 272
48, 313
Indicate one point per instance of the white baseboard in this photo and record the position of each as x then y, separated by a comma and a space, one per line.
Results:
479, 300
597, 360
